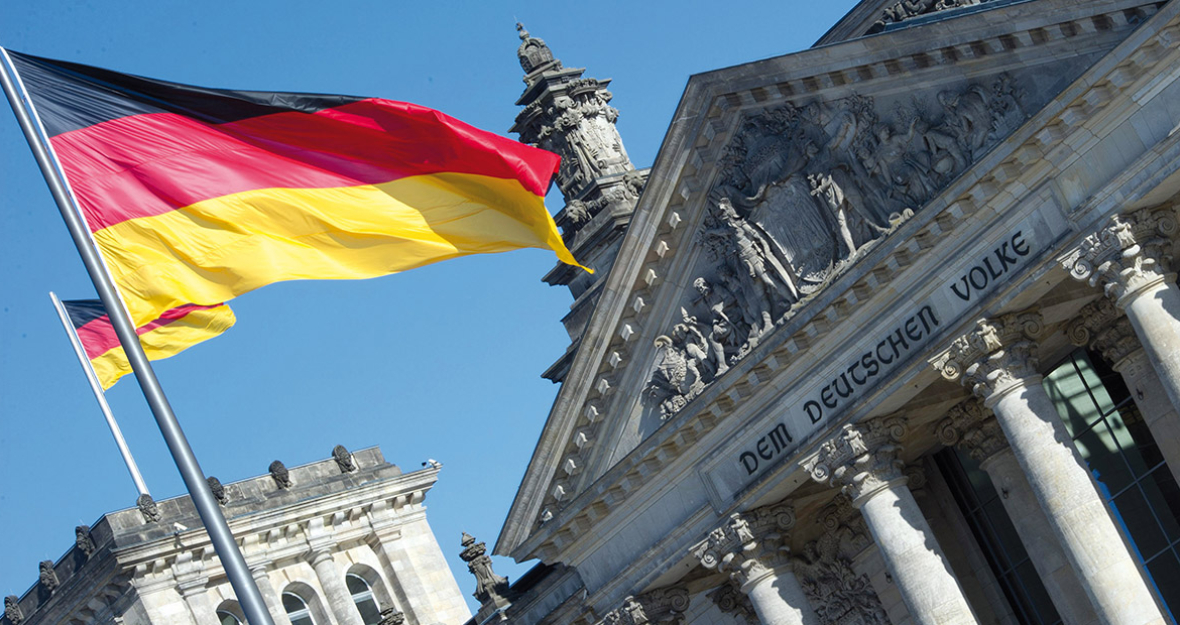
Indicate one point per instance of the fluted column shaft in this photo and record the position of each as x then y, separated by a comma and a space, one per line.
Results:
1154, 312
998, 360
972, 427
863, 459
273, 603
332, 581
778, 598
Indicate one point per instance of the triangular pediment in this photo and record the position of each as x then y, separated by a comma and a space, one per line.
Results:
776, 188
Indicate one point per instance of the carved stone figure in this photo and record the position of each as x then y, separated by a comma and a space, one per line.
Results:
281, 476
218, 490
12, 610
147, 506
47, 576
489, 587
83, 541
343, 459
852, 229
676, 377
663, 605
907, 9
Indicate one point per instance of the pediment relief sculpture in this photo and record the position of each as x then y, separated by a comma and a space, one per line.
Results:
803, 192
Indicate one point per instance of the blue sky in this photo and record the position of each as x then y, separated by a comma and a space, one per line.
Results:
441, 362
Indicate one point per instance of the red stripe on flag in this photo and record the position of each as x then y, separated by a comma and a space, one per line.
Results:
147, 165
98, 336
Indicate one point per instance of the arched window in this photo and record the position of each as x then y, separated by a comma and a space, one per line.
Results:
228, 618
362, 596
297, 609
230, 613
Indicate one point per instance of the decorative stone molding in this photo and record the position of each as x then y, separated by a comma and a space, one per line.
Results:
730, 599
12, 610
749, 545
343, 459
390, 616
83, 541
862, 458
1132, 251
489, 587
281, 476
972, 426
995, 355
47, 576
1101, 326
147, 506
844, 523
835, 591
906, 9
664, 605
218, 490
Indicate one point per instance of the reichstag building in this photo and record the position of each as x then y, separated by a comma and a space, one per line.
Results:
889, 332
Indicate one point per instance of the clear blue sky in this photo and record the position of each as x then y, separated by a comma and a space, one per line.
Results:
442, 362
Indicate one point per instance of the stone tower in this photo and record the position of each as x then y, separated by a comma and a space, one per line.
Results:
572, 117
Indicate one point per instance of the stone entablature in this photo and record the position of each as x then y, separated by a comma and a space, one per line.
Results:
1002, 180
330, 515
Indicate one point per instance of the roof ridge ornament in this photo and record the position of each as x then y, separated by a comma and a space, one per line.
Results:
533, 53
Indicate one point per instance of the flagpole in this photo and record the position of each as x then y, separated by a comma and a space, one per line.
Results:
99, 395
248, 596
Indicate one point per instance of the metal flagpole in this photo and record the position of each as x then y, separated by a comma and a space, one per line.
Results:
207, 507
99, 395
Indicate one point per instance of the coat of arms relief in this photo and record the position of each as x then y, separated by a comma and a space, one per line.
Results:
803, 192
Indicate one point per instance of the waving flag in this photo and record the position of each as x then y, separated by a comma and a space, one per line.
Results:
198, 195
175, 331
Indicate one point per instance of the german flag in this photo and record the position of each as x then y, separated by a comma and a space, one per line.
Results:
198, 195
173, 332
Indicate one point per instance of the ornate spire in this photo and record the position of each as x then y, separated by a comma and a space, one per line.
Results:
533, 53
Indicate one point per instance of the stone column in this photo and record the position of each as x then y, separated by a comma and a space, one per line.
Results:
1100, 326
274, 604
1128, 258
863, 459
998, 362
189, 569
336, 593
972, 426
752, 548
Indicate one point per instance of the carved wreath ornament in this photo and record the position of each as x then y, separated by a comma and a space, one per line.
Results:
804, 191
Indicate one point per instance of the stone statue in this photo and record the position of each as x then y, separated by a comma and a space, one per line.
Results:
848, 218
147, 506
47, 576
343, 459
218, 490
489, 587
281, 476
12, 610
390, 616
83, 541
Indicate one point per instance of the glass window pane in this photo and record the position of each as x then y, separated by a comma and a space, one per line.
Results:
1101, 453
292, 603
356, 584
1165, 571
370, 614
227, 618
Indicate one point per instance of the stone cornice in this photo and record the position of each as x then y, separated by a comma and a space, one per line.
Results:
587, 391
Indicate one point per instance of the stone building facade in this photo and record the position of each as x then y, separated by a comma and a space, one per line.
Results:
891, 334
342, 541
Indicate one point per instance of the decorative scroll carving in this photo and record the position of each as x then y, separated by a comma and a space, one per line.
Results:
83, 541
281, 476
343, 459
804, 191
997, 354
390, 616
47, 576
218, 489
862, 458
12, 610
664, 605
907, 9
749, 545
972, 426
148, 508
731, 600
1134, 250
1100, 325
489, 587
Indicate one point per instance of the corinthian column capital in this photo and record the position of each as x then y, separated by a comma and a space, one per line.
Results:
995, 356
862, 458
1131, 252
749, 545
1102, 326
970, 425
